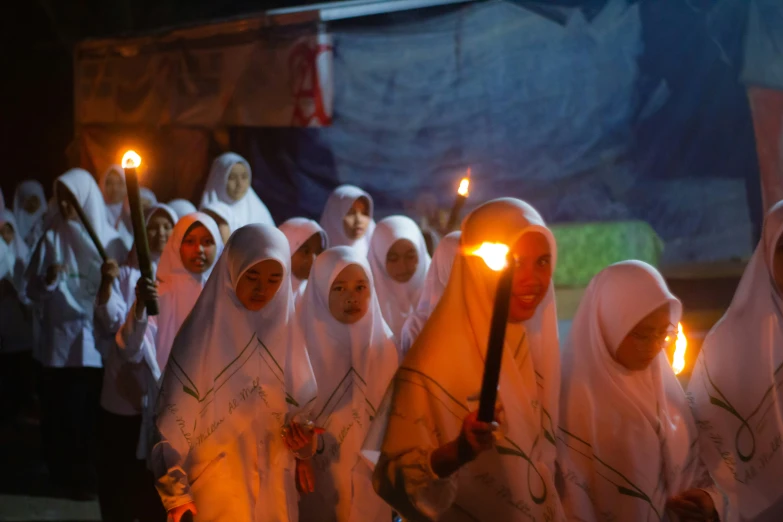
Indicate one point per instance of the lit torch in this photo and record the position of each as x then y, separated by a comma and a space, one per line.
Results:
497, 258
130, 162
456, 209
680, 347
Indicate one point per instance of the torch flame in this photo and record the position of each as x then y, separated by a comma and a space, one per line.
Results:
680, 347
131, 160
494, 255
464, 186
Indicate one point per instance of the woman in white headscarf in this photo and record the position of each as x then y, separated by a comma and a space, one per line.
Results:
437, 461
126, 488
63, 278
182, 207
307, 240
354, 358
29, 210
115, 195
434, 285
399, 262
223, 216
229, 181
735, 389
628, 441
347, 218
239, 371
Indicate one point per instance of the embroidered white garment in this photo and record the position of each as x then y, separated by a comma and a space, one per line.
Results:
398, 300
30, 226
434, 285
353, 365
627, 438
234, 376
337, 206
735, 389
428, 399
298, 230
182, 207
249, 209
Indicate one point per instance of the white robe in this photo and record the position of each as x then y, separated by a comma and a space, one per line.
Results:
353, 365
432, 290
298, 230
16, 315
233, 379
249, 209
67, 305
627, 439
337, 206
735, 389
30, 225
428, 399
182, 207
398, 300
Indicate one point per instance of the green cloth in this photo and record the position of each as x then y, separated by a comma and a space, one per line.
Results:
584, 249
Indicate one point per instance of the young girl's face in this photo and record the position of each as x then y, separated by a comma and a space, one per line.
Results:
646, 340
532, 276
67, 211
159, 229
357, 220
115, 188
7, 233
225, 230
198, 249
302, 260
31, 204
402, 259
259, 284
238, 182
349, 295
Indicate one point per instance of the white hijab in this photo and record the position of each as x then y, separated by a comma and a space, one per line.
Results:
353, 365
735, 389
444, 367
434, 285
148, 194
182, 207
178, 289
249, 209
225, 356
224, 212
15, 256
337, 206
398, 300
627, 437
298, 230
115, 212
30, 226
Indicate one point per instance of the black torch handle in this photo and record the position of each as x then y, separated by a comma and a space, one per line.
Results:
497, 338
456, 210
90, 230
140, 233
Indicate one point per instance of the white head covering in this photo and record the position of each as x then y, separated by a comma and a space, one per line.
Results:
445, 366
223, 211
353, 364
133, 260
30, 226
225, 356
148, 194
178, 289
627, 437
115, 212
298, 230
337, 206
398, 300
249, 209
432, 290
735, 387
182, 207
15, 255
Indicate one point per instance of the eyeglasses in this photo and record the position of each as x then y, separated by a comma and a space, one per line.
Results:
661, 339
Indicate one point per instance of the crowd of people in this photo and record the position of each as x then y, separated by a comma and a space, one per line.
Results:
330, 371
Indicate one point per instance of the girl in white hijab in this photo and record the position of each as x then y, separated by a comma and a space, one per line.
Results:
735, 389
307, 240
354, 358
437, 461
230, 180
223, 216
239, 371
628, 441
434, 285
182, 207
29, 210
115, 195
63, 277
347, 218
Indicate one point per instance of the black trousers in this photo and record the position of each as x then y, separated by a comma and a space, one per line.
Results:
17, 384
126, 489
69, 409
